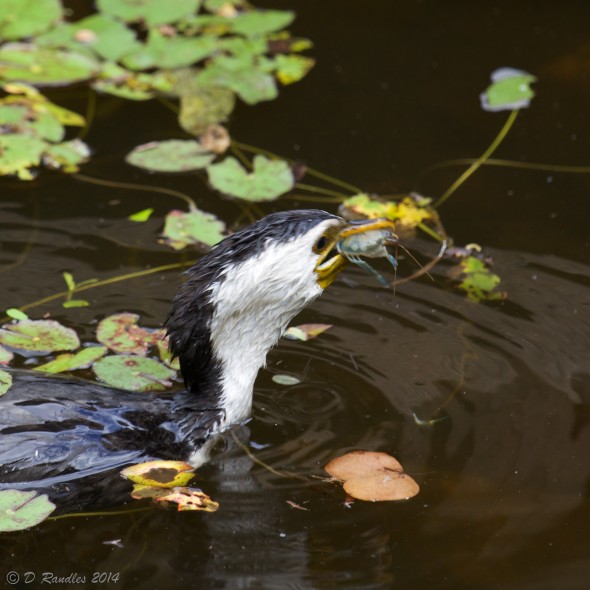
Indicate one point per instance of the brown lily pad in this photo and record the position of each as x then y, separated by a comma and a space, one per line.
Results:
121, 334
161, 474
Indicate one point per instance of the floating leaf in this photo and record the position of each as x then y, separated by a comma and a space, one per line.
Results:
261, 22
40, 336
305, 331
286, 379
478, 281
163, 345
291, 68
26, 18
67, 156
22, 510
121, 82
153, 12
19, 153
195, 227
173, 155
16, 314
75, 303
185, 498
268, 180
108, 37
71, 362
5, 356
25, 62
160, 474
510, 89
5, 381
205, 106
170, 52
372, 476
121, 334
142, 215
134, 373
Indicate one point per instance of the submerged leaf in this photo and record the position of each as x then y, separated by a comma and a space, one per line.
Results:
478, 281
173, 155
305, 332
268, 180
41, 336
121, 334
510, 89
205, 106
161, 474
71, 362
26, 18
153, 12
22, 510
5, 381
185, 498
195, 227
134, 373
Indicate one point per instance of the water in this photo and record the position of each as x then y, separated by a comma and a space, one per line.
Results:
505, 475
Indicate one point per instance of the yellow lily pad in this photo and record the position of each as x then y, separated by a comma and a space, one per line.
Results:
160, 474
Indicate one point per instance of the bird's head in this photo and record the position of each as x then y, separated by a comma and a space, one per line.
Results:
239, 298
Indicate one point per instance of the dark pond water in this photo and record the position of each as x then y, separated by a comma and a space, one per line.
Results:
505, 476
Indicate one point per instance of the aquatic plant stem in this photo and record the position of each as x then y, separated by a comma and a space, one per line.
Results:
90, 112
99, 513
491, 149
320, 190
138, 187
513, 164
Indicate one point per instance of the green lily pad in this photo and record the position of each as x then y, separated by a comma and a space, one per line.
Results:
67, 156
247, 80
478, 281
205, 106
261, 22
26, 18
40, 336
25, 62
121, 82
153, 12
291, 68
5, 381
16, 314
160, 474
22, 510
268, 180
71, 362
196, 227
5, 356
510, 89
174, 155
170, 52
121, 334
108, 37
141, 216
134, 373
19, 153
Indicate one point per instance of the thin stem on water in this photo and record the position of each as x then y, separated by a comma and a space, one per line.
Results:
90, 112
320, 190
491, 149
513, 164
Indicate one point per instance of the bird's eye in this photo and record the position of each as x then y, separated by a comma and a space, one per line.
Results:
321, 243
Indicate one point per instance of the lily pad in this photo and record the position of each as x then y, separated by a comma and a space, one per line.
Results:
25, 62
5, 356
71, 362
134, 373
163, 346
41, 336
372, 476
26, 18
291, 68
161, 474
16, 314
5, 381
183, 229
305, 332
170, 52
185, 498
67, 156
124, 83
478, 281
22, 510
108, 37
205, 106
261, 22
510, 89
121, 334
153, 12
173, 155
19, 153
269, 179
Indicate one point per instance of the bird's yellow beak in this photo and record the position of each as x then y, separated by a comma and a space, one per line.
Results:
331, 261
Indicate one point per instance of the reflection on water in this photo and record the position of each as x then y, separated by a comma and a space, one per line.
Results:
504, 475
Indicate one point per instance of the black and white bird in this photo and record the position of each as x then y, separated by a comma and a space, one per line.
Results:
234, 306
